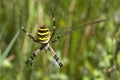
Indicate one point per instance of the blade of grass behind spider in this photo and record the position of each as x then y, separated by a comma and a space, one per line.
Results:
7, 50
2, 30
82, 27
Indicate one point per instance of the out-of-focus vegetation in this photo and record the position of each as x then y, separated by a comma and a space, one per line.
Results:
91, 52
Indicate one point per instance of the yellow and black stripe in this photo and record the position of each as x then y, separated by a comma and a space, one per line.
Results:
43, 34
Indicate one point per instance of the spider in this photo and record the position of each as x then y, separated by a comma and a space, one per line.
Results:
44, 36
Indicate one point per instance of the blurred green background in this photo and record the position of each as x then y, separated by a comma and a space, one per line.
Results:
90, 52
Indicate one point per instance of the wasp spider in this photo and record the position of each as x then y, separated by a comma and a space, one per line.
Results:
44, 36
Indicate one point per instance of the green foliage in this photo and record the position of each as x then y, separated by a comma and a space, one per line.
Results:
89, 52
7, 50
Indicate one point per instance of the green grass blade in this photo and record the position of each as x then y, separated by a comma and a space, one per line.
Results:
7, 50
2, 30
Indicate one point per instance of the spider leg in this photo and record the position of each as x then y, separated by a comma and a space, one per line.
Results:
54, 24
29, 34
55, 55
55, 40
29, 61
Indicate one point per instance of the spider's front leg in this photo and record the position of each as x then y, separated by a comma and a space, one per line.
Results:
29, 61
54, 55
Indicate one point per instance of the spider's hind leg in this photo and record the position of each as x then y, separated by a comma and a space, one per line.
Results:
56, 39
29, 34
